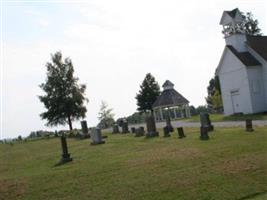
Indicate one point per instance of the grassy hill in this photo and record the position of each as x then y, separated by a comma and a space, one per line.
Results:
231, 165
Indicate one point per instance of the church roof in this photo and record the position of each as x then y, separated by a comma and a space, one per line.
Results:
170, 97
258, 44
245, 57
167, 83
232, 13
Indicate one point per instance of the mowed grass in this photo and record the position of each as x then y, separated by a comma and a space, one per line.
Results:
231, 165
221, 117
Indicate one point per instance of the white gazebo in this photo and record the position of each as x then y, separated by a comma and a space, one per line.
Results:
172, 103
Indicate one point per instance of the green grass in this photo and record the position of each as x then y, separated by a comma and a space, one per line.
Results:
231, 165
221, 117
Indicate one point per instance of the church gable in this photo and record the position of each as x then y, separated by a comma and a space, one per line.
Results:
229, 62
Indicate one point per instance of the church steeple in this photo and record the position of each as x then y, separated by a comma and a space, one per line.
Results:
234, 34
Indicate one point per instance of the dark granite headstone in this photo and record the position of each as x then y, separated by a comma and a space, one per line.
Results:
204, 133
124, 127
168, 123
115, 129
65, 155
151, 127
96, 136
140, 131
180, 132
166, 131
84, 127
205, 121
249, 126
133, 129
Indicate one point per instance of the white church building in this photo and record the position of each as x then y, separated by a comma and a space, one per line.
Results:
242, 69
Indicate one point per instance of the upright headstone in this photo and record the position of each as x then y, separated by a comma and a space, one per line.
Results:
65, 155
133, 129
140, 131
166, 131
151, 127
168, 123
96, 136
124, 127
84, 127
249, 126
204, 133
115, 129
180, 132
205, 121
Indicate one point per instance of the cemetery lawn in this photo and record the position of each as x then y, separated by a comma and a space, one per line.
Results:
221, 117
231, 165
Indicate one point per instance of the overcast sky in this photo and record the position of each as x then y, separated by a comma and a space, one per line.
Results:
112, 44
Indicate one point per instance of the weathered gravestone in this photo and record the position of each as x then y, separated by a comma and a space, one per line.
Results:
115, 129
180, 132
151, 127
140, 131
204, 133
205, 121
166, 131
84, 127
133, 129
124, 127
168, 123
85, 131
96, 136
65, 155
249, 126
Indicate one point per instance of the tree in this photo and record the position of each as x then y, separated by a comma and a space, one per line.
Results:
105, 116
249, 26
148, 93
64, 97
214, 99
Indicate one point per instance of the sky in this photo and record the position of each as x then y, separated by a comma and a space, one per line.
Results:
113, 45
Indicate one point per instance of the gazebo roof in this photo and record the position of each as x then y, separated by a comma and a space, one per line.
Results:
169, 98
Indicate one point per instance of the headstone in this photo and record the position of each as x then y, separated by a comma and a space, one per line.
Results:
140, 131
124, 127
204, 133
180, 132
115, 129
96, 136
249, 126
205, 121
133, 129
168, 123
65, 155
151, 127
166, 131
84, 127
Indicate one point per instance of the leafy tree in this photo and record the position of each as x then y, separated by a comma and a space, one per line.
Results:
105, 116
64, 97
214, 99
249, 25
200, 109
148, 93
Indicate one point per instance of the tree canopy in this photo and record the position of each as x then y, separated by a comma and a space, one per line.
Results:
105, 116
249, 26
214, 99
148, 93
64, 98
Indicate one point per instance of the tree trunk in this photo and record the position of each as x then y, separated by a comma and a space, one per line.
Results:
70, 124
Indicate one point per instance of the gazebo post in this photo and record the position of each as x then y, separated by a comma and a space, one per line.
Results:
161, 115
155, 115
187, 110
175, 114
